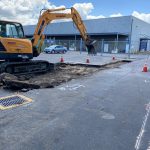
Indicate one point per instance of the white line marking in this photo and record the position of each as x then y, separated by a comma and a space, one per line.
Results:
148, 146
139, 137
71, 87
103, 114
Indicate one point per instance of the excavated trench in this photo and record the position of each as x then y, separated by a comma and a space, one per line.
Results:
63, 72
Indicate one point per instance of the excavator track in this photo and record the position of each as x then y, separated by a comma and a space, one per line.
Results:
29, 67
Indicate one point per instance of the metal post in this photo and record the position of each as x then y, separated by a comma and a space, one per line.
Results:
69, 45
80, 45
54, 40
117, 43
102, 47
75, 43
130, 39
50, 39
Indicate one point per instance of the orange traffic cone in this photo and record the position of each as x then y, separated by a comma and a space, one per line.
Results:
145, 69
113, 58
87, 61
62, 59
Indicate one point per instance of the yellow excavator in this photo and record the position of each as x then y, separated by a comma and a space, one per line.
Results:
17, 52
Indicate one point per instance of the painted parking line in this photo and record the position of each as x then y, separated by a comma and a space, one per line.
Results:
148, 148
140, 136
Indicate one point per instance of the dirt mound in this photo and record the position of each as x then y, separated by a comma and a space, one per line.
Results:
62, 73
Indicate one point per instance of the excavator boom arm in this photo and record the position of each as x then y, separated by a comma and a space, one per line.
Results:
79, 23
50, 15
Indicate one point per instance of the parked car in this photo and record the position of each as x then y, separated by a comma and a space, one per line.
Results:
55, 49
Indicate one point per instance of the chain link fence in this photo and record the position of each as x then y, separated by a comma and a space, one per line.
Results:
103, 46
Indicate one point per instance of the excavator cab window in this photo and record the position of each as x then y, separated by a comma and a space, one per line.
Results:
11, 30
2, 30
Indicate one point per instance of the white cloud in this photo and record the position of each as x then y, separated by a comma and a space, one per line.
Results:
27, 11
24, 11
85, 10
116, 15
95, 17
142, 16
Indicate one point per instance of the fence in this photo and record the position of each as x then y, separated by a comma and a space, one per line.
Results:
102, 46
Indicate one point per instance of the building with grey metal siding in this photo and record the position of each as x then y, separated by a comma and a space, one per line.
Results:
125, 32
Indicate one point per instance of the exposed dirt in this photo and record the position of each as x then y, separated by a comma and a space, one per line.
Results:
62, 73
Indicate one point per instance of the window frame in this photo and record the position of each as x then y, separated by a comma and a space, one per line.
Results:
16, 25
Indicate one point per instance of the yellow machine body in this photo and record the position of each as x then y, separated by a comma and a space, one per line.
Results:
11, 46
15, 48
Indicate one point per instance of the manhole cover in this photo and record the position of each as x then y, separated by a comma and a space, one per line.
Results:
13, 101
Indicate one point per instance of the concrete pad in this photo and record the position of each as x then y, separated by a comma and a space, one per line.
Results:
77, 57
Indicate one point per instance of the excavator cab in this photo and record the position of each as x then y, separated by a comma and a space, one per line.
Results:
13, 45
11, 30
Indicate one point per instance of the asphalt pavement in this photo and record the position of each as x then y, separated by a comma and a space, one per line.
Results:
108, 110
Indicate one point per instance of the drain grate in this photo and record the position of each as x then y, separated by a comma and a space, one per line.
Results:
13, 101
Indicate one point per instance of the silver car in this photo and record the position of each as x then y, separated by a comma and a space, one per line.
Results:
55, 49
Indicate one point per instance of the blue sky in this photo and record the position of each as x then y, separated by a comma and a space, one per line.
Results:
108, 7
27, 11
